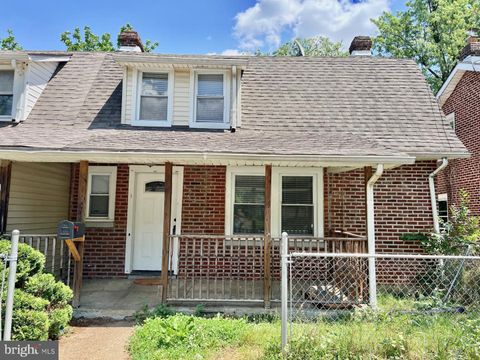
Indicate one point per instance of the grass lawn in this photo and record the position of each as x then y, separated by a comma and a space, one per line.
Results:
361, 335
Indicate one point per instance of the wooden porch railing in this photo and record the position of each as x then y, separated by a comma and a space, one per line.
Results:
231, 268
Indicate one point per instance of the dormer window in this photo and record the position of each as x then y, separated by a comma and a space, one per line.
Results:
154, 99
210, 108
6, 94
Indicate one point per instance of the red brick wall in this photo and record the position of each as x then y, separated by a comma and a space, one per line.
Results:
465, 173
105, 247
402, 204
401, 197
203, 210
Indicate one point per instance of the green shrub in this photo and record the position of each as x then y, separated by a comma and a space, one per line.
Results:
30, 325
41, 309
59, 319
30, 261
26, 301
45, 286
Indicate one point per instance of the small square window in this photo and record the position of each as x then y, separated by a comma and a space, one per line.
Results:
101, 192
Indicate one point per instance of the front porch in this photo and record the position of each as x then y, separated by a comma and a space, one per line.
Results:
201, 257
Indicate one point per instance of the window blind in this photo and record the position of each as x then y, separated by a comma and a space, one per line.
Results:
210, 100
297, 205
154, 97
249, 203
6, 92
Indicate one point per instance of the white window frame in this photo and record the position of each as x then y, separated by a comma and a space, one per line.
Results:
450, 118
14, 98
232, 172
103, 170
157, 123
276, 200
226, 100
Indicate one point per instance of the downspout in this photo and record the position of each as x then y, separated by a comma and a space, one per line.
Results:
431, 184
372, 276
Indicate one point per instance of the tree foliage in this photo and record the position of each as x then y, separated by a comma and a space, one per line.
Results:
432, 32
9, 42
460, 231
88, 41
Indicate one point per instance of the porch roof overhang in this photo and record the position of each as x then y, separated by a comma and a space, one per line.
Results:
205, 158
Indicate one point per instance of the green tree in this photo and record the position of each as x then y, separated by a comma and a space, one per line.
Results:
314, 46
460, 231
88, 41
432, 32
9, 43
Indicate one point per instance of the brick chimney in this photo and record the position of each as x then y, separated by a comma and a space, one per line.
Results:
129, 40
472, 48
361, 46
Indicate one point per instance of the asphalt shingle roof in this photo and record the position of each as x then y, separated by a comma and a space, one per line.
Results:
290, 106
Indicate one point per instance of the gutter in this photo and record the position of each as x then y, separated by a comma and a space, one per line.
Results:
372, 283
433, 199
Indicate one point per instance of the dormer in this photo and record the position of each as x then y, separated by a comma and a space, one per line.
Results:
23, 77
201, 92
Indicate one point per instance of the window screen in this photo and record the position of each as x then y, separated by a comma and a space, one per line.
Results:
210, 101
6, 92
99, 196
249, 203
154, 97
297, 205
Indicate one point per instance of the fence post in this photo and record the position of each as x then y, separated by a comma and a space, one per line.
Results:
11, 286
284, 289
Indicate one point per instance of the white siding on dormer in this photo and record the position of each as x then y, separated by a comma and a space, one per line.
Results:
38, 76
181, 98
128, 102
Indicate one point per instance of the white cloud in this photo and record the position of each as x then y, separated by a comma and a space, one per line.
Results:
235, 52
262, 25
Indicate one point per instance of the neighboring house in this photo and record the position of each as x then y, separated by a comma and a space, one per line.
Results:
194, 165
459, 99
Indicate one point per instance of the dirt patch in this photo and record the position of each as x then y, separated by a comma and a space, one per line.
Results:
98, 339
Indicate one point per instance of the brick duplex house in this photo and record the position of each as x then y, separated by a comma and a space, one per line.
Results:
459, 99
192, 166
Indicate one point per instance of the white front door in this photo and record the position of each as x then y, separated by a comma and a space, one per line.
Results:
148, 221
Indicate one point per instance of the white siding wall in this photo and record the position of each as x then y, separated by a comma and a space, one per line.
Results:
181, 98
38, 75
39, 197
128, 102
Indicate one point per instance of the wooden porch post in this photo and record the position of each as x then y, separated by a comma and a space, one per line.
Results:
81, 209
5, 174
367, 170
167, 210
267, 243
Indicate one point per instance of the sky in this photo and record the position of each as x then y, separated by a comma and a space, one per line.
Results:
195, 26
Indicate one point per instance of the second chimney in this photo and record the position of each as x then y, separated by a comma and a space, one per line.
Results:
471, 49
129, 40
361, 46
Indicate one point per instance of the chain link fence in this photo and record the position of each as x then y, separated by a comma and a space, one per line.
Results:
338, 287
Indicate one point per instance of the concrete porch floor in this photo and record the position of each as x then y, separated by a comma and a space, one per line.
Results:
115, 298
120, 298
